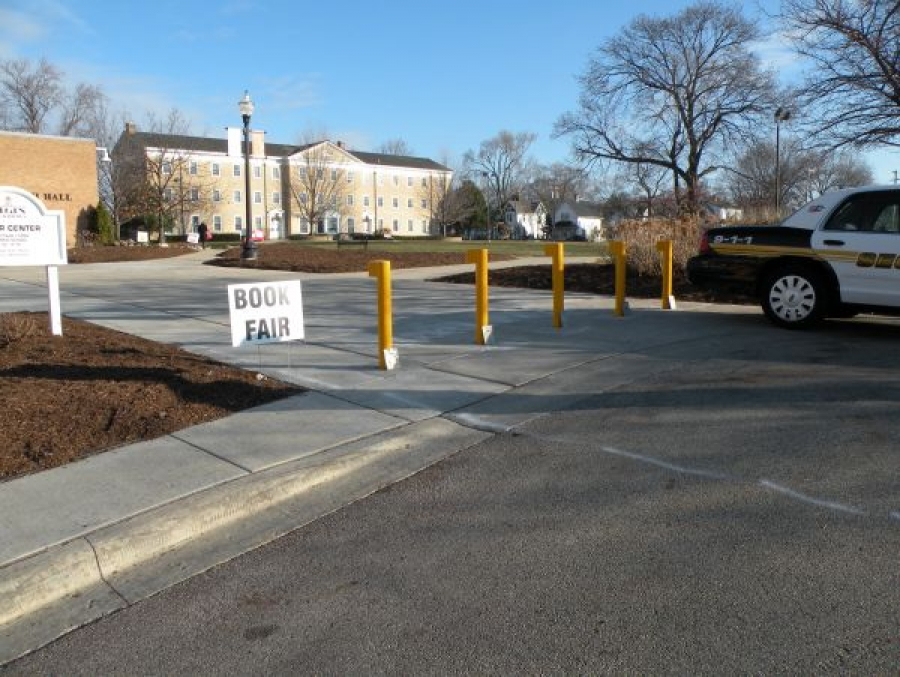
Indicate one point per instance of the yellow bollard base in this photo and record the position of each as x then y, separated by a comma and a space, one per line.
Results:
391, 358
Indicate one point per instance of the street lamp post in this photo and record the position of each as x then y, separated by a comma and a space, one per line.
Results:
245, 105
781, 115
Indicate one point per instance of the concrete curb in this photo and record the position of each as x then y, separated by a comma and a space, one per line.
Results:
49, 594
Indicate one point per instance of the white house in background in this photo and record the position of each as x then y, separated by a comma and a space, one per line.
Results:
524, 219
578, 219
719, 214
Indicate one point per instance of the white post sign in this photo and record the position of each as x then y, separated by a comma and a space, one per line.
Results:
265, 312
32, 235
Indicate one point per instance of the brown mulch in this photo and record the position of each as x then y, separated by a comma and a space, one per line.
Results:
125, 253
94, 389
352, 259
594, 278
66, 397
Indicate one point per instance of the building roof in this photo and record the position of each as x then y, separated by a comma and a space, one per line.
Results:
212, 145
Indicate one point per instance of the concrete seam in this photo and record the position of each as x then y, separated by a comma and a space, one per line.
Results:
218, 457
100, 572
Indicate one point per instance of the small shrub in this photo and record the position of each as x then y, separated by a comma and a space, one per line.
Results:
640, 239
16, 327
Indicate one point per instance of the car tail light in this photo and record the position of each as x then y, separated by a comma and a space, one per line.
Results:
704, 244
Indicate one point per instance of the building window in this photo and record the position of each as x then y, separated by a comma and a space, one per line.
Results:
349, 200
257, 222
276, 172
333, 224
195, 221
217, 195
409, 181
395, 224
424, 182
396, 180
236, 170
381, 224
409, 226
217, 223
215, 169
303, 198
334, 175
237, 196
276, 197
424, 204
395, 202
167, 194
380, 201
365, 200
351, 225
167, 167
193, 168
409, 202
257, 172
349, 177
195, 195
425, 226
238, 223
257, 197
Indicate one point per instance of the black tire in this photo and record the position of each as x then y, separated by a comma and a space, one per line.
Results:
794, 297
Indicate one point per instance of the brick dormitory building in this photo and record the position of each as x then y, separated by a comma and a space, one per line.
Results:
320, 188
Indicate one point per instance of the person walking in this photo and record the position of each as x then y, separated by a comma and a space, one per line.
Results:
202, 229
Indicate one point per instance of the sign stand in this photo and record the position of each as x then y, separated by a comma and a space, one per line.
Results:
53, 293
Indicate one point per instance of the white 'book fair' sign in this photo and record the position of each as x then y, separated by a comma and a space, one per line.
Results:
265, 312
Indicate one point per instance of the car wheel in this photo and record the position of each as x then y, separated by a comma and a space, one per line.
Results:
794, 298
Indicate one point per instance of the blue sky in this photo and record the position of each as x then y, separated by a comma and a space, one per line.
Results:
443, 76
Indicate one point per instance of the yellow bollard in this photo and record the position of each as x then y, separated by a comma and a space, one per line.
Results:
617, 249
665, 249
555, 251
382, 271
480, 258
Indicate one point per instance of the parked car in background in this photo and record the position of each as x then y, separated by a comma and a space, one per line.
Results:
836, 256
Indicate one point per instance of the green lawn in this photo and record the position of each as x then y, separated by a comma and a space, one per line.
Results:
519, 248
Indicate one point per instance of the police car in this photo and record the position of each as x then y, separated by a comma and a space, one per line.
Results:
836, 256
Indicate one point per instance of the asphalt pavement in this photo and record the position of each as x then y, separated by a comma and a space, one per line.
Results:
661, 390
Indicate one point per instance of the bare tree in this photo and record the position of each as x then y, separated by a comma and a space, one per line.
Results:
502, 164
555, 183
803, 174
152, 173
317, 183
671, 92
30, 92
852, 93
395, 147
34, 99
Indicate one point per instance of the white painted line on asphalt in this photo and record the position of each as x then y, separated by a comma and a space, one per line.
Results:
803, 498
764, 483
668, 466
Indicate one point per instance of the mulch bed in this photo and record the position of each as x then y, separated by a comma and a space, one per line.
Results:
65, 397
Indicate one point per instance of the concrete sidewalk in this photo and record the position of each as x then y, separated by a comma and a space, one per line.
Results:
86, 539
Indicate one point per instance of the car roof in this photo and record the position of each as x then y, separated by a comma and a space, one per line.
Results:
811, 214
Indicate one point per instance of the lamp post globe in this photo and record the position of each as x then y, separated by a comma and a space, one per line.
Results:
245, 106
